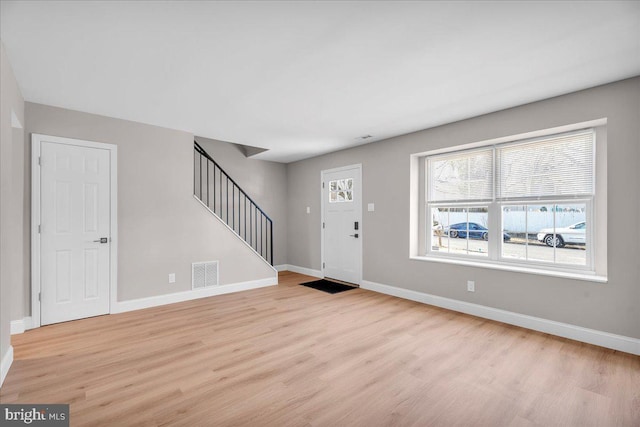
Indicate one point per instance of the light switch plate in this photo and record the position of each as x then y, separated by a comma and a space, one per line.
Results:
371, 207
172, 278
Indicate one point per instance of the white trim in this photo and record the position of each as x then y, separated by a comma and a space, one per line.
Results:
36, 140
358, 167
5, 364
281, 267
494, 265
234, 232
578, 333
303, 270
35, 235
20, 325
154, 301
113, 247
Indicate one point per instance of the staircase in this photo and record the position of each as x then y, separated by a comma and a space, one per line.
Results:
220, 193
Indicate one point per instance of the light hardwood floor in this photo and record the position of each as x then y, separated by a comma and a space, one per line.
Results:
288, 355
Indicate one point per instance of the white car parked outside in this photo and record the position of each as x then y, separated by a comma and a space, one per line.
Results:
574, 234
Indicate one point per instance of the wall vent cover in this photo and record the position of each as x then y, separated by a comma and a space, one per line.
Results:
204, 274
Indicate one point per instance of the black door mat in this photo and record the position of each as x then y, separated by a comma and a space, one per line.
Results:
327, 286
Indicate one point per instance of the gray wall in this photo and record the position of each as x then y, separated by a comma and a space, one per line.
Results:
265, 182
612, 307
162, 229
11, 199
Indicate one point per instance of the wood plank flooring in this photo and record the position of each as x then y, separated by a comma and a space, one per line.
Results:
289, 355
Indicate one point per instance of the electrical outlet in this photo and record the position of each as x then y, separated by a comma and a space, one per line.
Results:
471, 286
172, 278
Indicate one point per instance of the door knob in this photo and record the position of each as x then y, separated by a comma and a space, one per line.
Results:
354, 235
102, 240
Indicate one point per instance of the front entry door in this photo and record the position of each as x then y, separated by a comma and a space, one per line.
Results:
342, 224
75, 231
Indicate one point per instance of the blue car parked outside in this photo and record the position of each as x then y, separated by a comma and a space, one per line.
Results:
475, 230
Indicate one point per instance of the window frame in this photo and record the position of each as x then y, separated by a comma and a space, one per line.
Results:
495, 257
337, 191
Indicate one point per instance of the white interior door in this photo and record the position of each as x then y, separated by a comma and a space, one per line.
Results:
75, 231
342, 224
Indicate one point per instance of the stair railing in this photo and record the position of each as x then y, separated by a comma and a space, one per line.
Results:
224, 197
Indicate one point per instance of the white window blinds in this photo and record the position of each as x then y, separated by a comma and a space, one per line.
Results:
562, 165
461, 176
550, 167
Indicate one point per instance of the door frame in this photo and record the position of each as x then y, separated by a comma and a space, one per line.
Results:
357, 166
36, 143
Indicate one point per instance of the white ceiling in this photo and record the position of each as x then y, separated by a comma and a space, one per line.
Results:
306, 78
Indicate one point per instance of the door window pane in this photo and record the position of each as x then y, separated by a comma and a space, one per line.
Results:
341, 190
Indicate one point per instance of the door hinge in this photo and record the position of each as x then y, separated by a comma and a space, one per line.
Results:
39, 228
323, 185
39, 161
323, 265
323, 225
39, 295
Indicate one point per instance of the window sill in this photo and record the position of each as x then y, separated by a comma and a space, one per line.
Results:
515, 268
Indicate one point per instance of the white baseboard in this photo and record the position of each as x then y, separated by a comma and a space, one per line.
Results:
281, 267
303, 270
565, 330
5, 364
138, 304
21, 325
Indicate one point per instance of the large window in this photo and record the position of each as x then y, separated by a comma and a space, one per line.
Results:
528, 202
